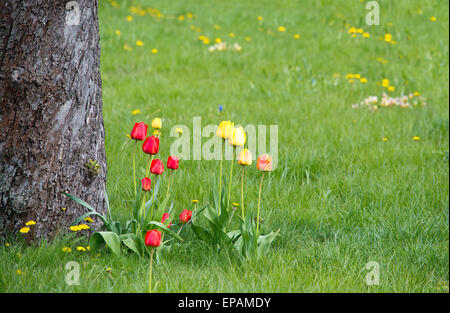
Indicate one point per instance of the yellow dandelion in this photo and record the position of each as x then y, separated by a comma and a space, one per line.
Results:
248, 39
7, 244
181, 18
114, 4
216, 26
281, 28
194, 201
189, 15
296, 36
391, 88
416, 138
135, 112
385, 139
64, 209
81, 248
387, 37
349, 76
419, 12
89, 220
360, 31
352, 30
108, 269
179, 130
67, 249
129, 18
260, 18
156, 132
139, 43
128, 136
206, 41
366, 35
30, 223
83, 226
19, 272
416, 93
118, 32
235, 204
363, 80
88, 248
357, 76
218, 40
127, 47
385, 83
231, 34
74, 228
154, 50
433, 19
24, 230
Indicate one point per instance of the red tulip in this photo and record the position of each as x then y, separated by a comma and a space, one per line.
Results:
151, 145
164, 217
139, 131
185, 216
153, 238
264, 163
157, 167
146, 184
172, 162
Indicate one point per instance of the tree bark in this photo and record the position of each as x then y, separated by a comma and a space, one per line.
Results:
51, 120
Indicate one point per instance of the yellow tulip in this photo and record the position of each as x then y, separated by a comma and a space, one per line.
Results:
225, 129
245, 157
156, 123
238, 137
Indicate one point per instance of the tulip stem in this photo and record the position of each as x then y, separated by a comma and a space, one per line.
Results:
134, 168
170, 180
149, 165
220, 174
150, 272
259, 203
231, 177
242, 192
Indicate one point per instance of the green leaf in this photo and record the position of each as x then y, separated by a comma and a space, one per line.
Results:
79, 201
108, 237
264, 242
201, 233
132, 245
166, 230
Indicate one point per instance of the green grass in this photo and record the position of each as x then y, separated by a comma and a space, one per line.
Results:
341, 196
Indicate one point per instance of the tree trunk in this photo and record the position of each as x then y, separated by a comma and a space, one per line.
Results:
51, 120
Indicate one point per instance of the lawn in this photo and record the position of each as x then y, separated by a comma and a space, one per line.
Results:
352, 185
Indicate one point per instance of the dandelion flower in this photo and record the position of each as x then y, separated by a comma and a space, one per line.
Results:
433, 19
385, 83
7, 244
194, 201
387, 37
19, 272
154, 50
235, 204
135, 112
260, 18
30, 223
89, 220
67, 249
366, 35
231, 34
129, 18
296, 36
189, 15
118, 32
385, 139
281, 29
64, 209
81, 248
181, 18
416, 138
218, 40
139, 43
363, 80
247, 39
179, 130
391, 88
24, 230
216, 26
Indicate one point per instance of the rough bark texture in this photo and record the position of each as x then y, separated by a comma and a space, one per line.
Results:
50, 114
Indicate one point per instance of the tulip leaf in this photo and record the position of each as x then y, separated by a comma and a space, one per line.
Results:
132, 245
166, 230
90, 208
108, 237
